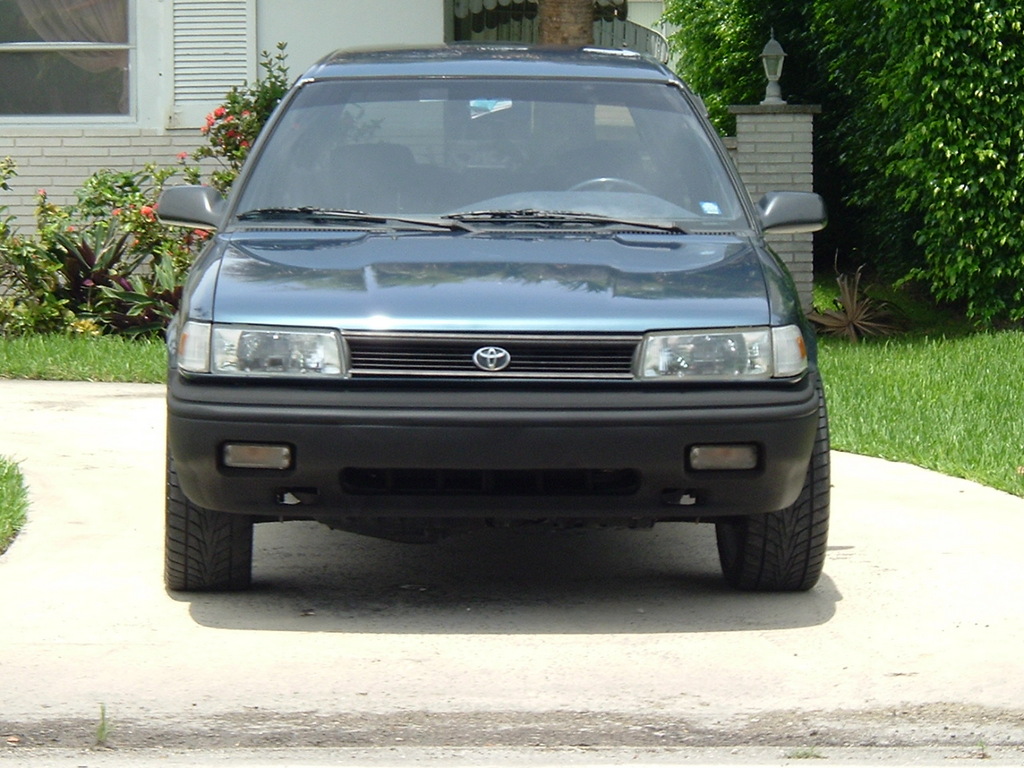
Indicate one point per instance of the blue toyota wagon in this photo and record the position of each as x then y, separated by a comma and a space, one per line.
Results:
493, 286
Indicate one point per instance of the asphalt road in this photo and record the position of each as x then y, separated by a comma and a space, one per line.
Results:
501, 640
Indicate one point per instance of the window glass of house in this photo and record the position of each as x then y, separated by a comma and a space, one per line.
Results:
64, 57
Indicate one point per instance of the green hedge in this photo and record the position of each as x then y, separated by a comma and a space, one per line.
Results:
920, 145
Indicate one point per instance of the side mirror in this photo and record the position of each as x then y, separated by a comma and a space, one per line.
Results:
792, 212
191, 206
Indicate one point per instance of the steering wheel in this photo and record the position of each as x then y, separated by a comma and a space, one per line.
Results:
609, 184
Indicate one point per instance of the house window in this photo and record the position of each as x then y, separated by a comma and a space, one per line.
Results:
64, 57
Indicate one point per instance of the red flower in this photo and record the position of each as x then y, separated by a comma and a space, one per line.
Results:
148, 211
219, 112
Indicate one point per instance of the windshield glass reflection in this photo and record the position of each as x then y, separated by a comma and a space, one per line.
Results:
428, 147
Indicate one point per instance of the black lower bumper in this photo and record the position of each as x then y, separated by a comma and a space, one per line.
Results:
413, 452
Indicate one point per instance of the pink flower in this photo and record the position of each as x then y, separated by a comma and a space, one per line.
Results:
116, 212
219, 112
148, 211
182, 156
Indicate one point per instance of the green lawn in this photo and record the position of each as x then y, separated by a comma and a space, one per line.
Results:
952, 405
82, 358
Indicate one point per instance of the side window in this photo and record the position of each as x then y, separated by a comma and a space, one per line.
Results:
64, 57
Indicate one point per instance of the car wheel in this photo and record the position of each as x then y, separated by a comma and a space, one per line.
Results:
204, 549
783, 551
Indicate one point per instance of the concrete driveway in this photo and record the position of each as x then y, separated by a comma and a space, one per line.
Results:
914, 636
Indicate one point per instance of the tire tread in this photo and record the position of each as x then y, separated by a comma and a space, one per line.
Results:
783, 551
204, 549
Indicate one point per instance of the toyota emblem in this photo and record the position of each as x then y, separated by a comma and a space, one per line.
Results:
492, 359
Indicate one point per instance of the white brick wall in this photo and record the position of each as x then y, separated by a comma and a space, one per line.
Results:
59, 160
775, 151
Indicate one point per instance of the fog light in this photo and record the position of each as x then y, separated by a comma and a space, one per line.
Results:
706, 457
257, 456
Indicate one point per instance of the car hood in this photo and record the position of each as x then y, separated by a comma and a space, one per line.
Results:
487, 282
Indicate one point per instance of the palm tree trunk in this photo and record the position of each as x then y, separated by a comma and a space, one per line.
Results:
566, 22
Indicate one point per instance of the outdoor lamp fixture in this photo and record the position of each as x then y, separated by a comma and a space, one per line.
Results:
773, 57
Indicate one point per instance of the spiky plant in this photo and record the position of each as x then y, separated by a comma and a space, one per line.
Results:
855, 314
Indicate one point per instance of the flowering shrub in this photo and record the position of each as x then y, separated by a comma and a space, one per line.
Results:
103, 264
22, 273
232, 128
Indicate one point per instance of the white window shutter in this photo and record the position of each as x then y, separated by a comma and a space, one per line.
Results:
214, 50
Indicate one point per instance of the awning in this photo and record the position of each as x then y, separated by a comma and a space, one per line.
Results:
466, 8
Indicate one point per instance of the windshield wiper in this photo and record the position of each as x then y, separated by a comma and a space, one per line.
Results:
311, 213
561, 219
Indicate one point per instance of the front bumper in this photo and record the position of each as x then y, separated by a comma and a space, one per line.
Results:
503, 452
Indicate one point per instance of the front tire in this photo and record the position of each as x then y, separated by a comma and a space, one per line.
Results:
204, 550
783, 551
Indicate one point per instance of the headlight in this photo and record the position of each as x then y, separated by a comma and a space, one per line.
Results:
724, 355
259, 351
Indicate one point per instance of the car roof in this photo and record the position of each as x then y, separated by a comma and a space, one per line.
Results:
494, 60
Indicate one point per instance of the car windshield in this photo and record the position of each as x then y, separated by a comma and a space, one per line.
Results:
524, 152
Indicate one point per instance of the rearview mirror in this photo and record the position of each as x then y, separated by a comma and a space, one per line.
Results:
792, 212
191, 206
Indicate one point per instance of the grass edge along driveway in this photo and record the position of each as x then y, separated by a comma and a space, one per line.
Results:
13, 502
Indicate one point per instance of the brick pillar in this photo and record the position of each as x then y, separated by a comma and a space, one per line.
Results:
775, 152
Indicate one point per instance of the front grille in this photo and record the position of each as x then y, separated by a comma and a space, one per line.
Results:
489, 482
531, 356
